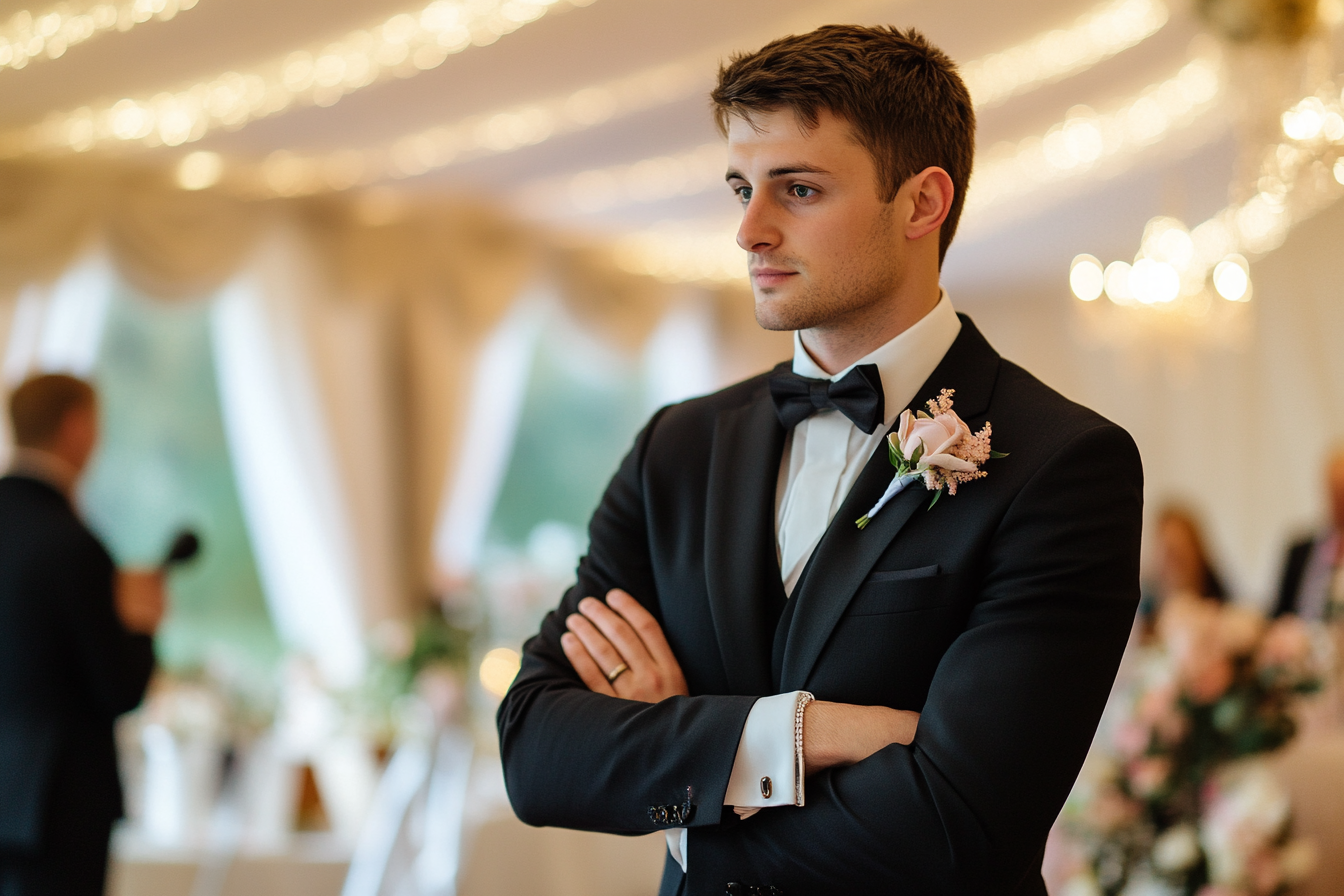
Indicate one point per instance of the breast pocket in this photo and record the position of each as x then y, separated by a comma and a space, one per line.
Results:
899, 591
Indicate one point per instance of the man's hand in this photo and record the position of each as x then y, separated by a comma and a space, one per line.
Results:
843, 734
602, 637
140, 599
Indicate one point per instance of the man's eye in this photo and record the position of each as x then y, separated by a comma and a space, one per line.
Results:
743, 194
800, 191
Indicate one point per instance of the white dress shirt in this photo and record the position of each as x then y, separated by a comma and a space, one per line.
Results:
823, 456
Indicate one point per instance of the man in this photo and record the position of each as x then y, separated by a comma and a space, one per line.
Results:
75, 652
959, 654
1312, 585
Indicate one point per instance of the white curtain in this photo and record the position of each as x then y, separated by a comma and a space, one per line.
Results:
681, 357
498, 389
284, 465
57, 329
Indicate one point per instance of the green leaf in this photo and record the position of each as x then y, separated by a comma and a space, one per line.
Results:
997, 454
920, 415
894, 452
936, 495
916, 455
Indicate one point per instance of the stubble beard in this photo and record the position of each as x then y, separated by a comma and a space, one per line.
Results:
862, 283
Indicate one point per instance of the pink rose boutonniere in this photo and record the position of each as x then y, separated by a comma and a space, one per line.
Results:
939, 448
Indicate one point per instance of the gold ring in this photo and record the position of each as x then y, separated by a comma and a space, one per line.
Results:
616, 673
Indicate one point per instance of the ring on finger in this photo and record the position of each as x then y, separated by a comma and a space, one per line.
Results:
617, 673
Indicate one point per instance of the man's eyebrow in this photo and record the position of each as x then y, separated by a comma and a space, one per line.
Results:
800, 168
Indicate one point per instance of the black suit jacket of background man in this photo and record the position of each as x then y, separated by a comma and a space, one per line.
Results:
68, 668
1000, 614
1294, 571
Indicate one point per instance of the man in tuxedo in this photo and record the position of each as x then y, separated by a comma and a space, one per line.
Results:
1312, 584
804, 705
75, 652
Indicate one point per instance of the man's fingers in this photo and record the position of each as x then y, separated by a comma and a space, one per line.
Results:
617, 631
642, 621
599, 648
583, 664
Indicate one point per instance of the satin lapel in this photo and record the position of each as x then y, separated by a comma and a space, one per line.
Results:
740, 539
846, 554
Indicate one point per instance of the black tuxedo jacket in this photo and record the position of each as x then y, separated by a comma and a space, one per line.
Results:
67, 669
1294, 570
1000, 615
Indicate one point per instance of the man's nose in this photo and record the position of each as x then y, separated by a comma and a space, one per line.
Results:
758, 231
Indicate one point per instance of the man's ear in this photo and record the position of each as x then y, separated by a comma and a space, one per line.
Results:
930, 193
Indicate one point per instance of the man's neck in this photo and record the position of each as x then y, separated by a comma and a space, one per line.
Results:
837, 344
45, 466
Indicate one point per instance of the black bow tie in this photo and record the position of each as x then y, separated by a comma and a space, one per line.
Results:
857, 395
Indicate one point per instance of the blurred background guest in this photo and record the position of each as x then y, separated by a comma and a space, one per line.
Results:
1183, 563
1312, 585
75, 652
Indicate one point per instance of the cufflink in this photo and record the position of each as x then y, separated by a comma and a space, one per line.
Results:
767, 787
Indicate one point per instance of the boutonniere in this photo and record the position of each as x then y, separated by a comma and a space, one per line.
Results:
939, 448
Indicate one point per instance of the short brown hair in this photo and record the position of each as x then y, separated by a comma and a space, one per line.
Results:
902, 96
40, 404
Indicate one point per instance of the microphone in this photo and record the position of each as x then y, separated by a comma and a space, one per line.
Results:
186, 545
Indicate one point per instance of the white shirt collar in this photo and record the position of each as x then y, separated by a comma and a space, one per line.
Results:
905, 362
34, 463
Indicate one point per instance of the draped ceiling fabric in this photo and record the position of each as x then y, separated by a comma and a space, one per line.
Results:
402, 309
392, 316
413, 279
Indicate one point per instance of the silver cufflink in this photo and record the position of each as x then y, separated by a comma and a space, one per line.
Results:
766, 787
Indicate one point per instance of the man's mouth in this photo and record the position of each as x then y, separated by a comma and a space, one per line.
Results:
766, 276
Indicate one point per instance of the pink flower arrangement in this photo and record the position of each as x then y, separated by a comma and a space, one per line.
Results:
1185, 805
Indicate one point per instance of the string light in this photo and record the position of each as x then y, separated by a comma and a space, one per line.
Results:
1075, 146
991, 80
1086, 140
199, 170
28, 37
1097, 35
1086, 278
1176, 264
403, 45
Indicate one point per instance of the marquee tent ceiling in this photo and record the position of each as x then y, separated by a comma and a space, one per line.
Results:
570, 49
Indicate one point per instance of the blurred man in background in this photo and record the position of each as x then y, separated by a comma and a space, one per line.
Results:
1313, 572
75, 652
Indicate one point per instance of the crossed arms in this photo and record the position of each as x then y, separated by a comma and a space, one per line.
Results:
961, 808
603, 636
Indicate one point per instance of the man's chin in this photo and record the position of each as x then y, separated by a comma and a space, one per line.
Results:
778, 312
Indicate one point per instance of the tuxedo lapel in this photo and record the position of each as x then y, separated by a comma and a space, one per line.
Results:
846, 554
740, 540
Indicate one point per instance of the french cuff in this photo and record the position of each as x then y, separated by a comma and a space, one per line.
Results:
676, 845
768, 770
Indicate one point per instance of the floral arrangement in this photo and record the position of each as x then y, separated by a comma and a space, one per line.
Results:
1184, 803
412, 666
938, 447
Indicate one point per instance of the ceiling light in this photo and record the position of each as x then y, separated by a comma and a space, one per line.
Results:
1232, 278
199, 170
1086, 278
